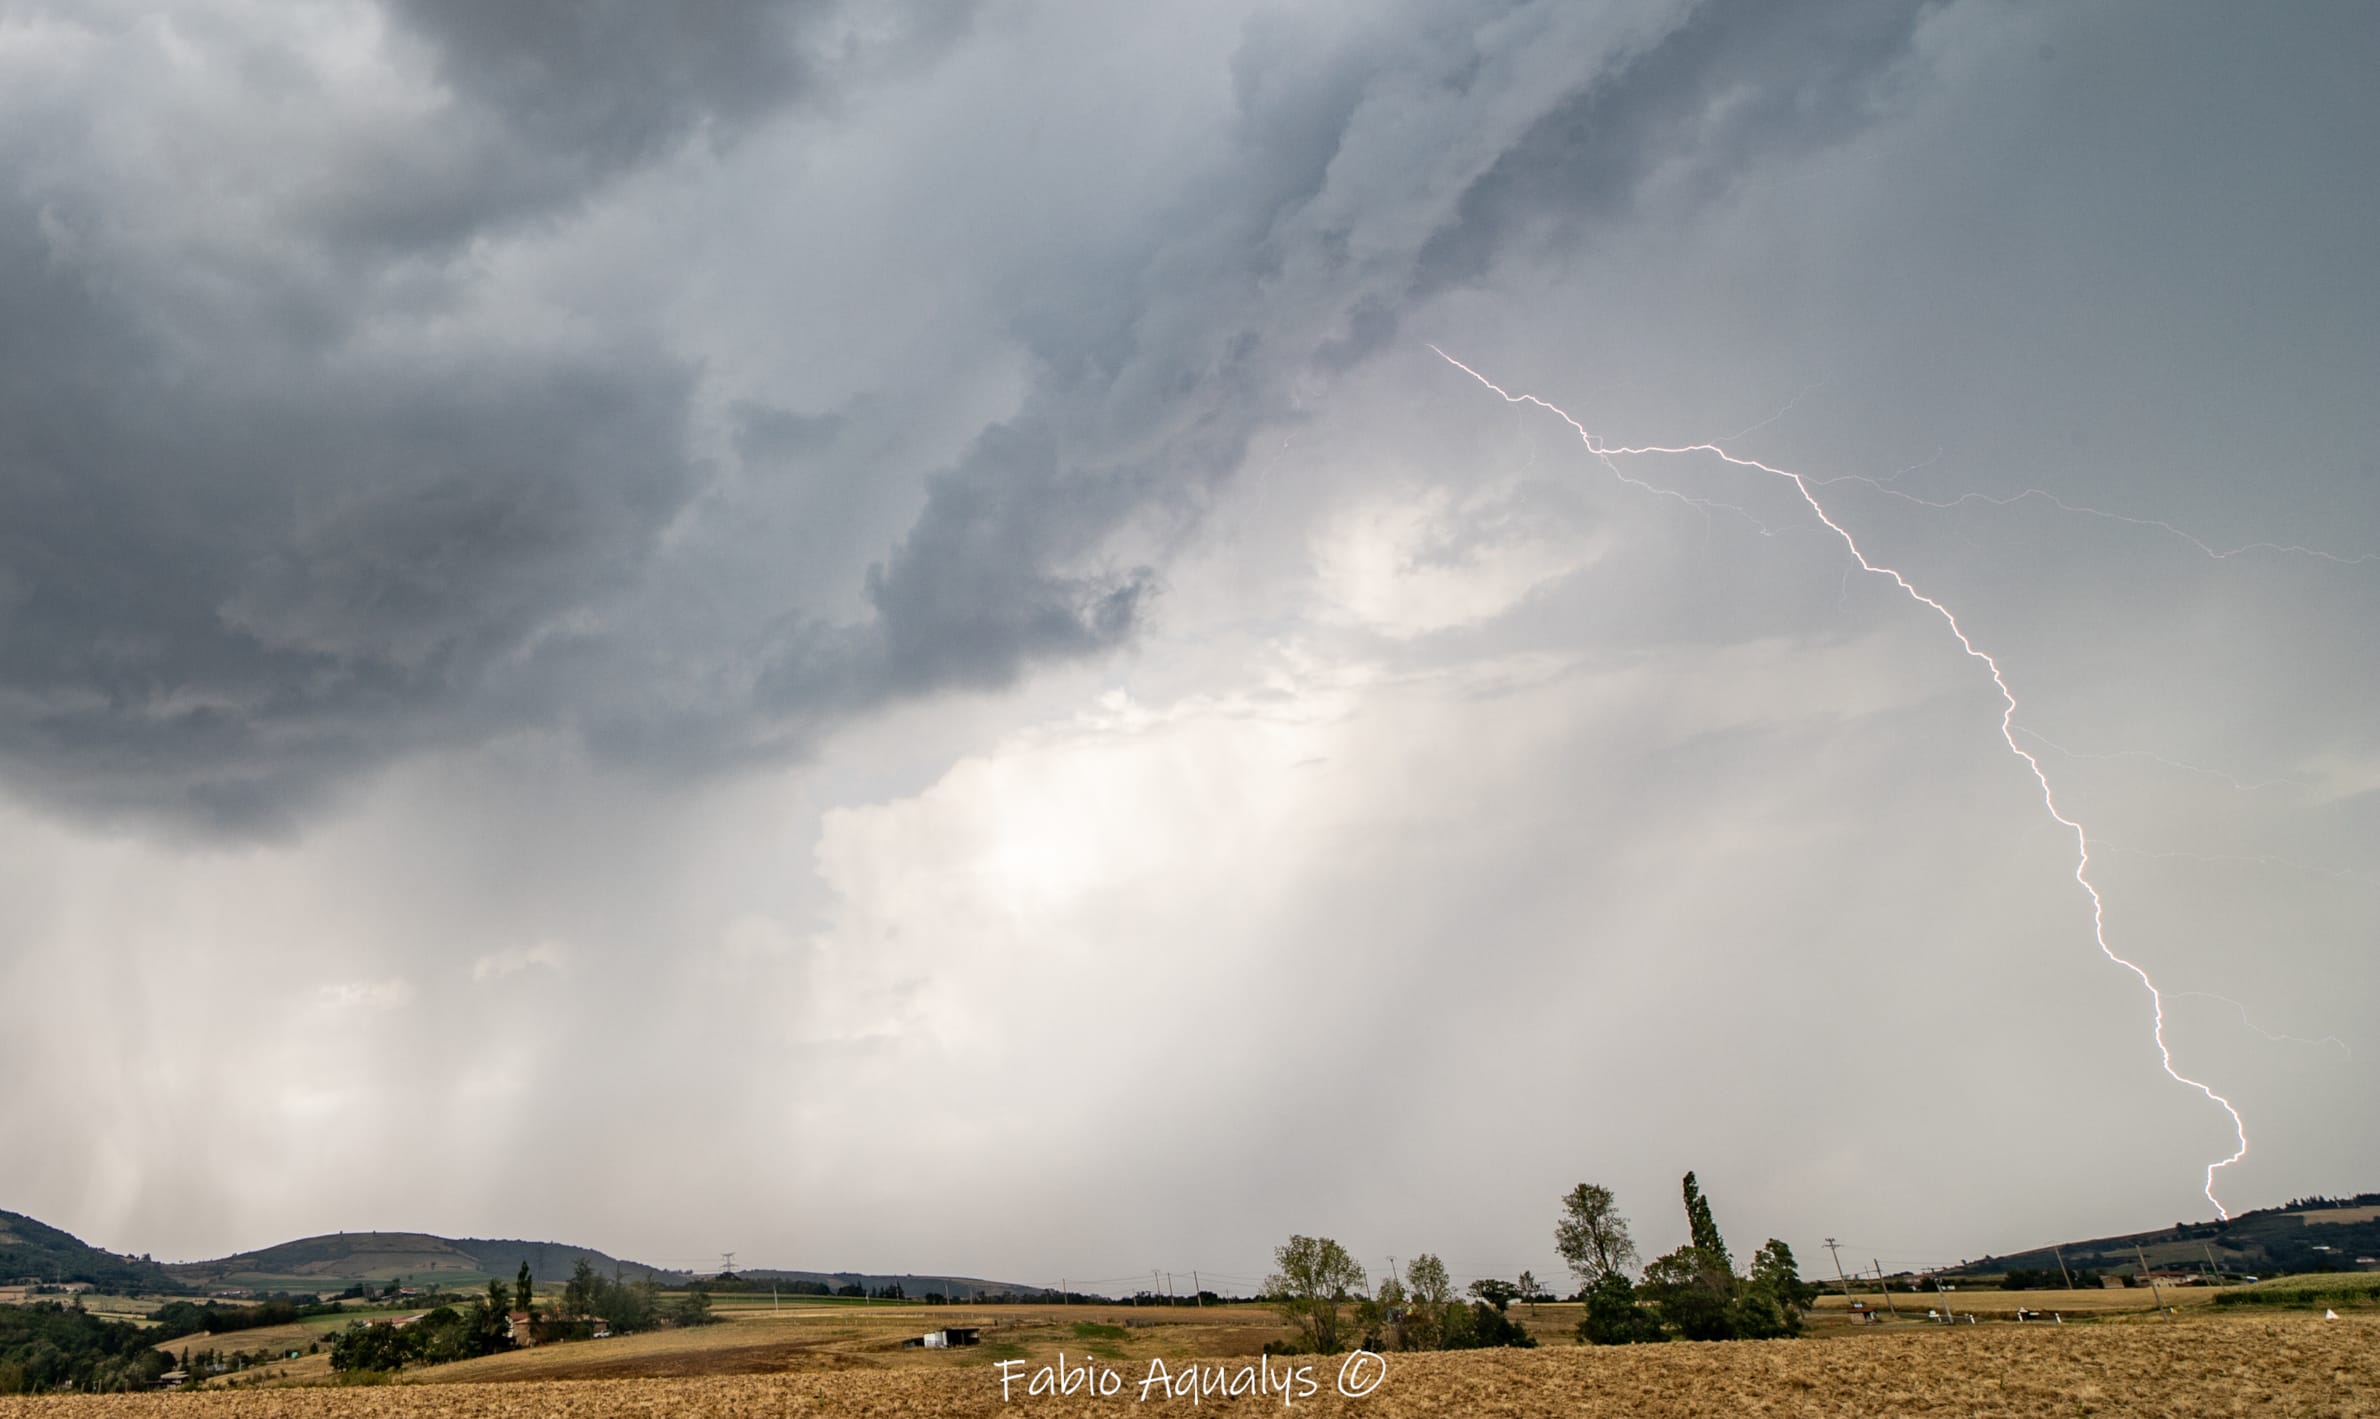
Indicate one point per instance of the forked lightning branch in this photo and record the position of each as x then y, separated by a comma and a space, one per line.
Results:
1609, 456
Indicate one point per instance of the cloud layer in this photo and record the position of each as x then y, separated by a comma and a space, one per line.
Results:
902, 586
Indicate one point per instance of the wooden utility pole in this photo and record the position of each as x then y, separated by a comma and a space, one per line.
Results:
1886, 1287
1198, 1290
2153, 1290
2063, 1273
1839, 1276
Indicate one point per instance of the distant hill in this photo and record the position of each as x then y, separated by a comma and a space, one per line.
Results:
343, 1259
2311, 1234
37, 1251
31, 1250
912, 1285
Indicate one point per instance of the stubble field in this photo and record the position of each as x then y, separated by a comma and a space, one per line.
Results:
2298, 1364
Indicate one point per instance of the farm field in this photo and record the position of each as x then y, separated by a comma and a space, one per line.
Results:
2283, 1365
1991, 1304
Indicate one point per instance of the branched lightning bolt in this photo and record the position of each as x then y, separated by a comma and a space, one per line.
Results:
2242, 785
2266, 859
2259, 1029
1608, 455
2220, 554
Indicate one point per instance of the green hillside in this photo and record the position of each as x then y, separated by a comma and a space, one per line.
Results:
36, 1251
342, 1259
2320, 1234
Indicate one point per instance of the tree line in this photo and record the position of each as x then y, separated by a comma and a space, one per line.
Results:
51, 1346
1418, 1310
1692, 1293
47, 1347
590, 1302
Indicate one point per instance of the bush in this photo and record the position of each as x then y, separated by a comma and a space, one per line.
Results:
1492, 1329
1613, 1316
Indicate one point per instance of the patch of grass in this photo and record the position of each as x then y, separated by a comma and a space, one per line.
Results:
1092, 1330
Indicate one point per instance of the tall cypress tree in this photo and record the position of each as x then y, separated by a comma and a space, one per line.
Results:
1705, 1231
524, 1290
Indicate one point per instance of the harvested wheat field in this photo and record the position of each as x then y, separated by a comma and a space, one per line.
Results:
2299, 1365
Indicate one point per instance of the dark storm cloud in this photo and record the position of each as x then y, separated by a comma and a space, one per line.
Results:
225, 583
550, 99
968, 598
1738, 80
273, 508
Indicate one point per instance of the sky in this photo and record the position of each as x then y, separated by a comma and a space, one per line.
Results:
883, 635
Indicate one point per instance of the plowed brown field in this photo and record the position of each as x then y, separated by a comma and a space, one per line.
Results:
2296, 1365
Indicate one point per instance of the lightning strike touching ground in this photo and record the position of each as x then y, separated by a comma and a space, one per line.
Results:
1608, 456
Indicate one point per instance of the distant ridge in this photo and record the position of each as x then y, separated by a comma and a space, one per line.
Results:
37, 1251
2309, 1234
912, 1285
338, 1260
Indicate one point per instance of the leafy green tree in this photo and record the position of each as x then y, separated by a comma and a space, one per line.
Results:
578, 1296
694, 1308
524, 1289
1378, 1314
1757, 1314
1429, 1304
1495, 1292
491, 1322
1614, 1318
1530, 1291
1426, 1279
1775, 1296
1315, 1274
1456, 1328
1703, 1230
1694, 1294
1592, 1236
1486, 1328
377, 1347
627, 1307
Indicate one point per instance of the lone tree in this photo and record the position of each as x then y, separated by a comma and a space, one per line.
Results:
1592, 1236
524, 1289
1430, 1305
1704, 1231
1315, 1275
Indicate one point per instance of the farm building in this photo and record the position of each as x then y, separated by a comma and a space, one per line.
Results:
946, 1338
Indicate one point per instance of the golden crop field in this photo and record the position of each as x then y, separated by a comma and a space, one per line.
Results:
2294, 1365
2002, 1305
